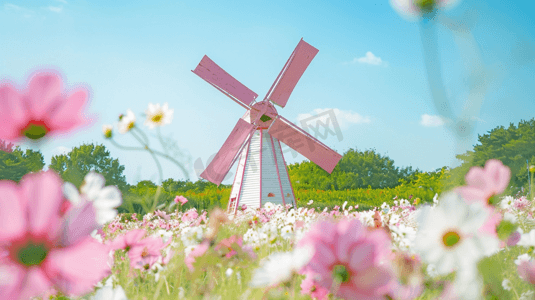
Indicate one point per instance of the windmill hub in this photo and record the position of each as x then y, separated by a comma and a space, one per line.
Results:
262, 114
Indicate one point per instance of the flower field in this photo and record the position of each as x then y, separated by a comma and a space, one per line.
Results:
458, 248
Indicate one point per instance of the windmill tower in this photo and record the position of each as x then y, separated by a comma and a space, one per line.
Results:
262, 175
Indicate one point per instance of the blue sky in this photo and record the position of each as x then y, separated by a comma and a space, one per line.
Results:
369, 69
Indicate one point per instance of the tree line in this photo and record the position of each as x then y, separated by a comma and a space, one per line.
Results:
358, 173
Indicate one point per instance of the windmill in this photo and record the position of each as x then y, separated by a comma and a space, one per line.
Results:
262, 175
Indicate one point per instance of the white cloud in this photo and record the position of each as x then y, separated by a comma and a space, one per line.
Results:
9, 6
60, 150
56, 9
369, 59
431, 120
344, 118
18, 10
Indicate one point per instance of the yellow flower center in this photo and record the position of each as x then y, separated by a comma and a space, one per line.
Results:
425, 5
157, 118
451, 238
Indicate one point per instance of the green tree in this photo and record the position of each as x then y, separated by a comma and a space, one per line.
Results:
513, 146
356, 169
15, 163
73, 166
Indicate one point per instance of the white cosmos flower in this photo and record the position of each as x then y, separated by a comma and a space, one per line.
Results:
280, 267
287, 232
127, 122
507, 202
448, 235
527, 239
506, 284
107, 292
158, 116
107, 130
522, 258
526, 295
104, 199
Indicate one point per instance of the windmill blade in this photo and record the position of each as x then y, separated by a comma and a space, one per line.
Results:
225, 158
291, 72
302, 142
221, 80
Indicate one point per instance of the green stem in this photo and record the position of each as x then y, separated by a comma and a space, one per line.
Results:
146, 146
159, 134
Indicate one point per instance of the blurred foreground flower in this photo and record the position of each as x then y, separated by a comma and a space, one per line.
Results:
413, 9
483, 183
349, 259
526, 270
32, 229
158, 116
104, 199
42, 108
280, 267
449, 236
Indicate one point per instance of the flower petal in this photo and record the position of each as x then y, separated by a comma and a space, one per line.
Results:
44, 191
12, 211
44, 91
78, 268
12, 113
68, 115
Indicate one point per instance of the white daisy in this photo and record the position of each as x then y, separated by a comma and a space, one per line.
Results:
280, 267
158, 116
104, 199
448, 235
507, 202
126, 122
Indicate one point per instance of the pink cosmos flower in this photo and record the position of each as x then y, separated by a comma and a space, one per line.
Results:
42, 108
190, 215
146, 253
483, 183
32, 231
181, 199
162, 214
198, 251
514, 238
526, 270
309, 286
231, 246
348, 255
128, 240
521, 203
